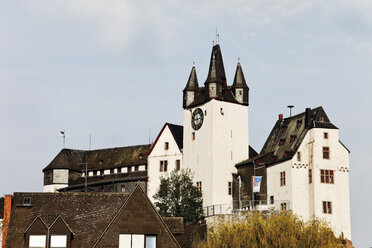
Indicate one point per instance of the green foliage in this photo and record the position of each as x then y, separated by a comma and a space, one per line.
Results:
280, 230
178, 197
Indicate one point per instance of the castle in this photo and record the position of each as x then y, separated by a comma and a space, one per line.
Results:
302, 167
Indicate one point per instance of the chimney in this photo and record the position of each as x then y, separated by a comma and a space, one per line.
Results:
7, 208
307, 117
280, 116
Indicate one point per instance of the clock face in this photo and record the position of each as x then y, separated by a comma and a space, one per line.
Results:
197, 119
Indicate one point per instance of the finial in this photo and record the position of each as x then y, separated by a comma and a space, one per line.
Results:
213, 42
193, 63
238, 60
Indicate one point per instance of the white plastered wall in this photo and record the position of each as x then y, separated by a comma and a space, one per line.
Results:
60, 180
219, 144
158, 154
307, 198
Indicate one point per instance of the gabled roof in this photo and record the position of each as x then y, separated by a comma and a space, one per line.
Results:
99, 159
287, 135
177, 133
92, 218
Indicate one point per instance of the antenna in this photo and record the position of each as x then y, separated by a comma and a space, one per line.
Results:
290, 109
63, 135
217, 37
149, 135
90, 142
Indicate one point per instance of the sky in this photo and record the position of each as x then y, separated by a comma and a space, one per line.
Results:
116, 69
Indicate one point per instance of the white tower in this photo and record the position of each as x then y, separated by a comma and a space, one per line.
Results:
215, 130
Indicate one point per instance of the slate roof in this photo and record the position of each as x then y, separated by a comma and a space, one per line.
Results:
217, 74
177, 132
99, 159
288, 134
86, 214
175, 224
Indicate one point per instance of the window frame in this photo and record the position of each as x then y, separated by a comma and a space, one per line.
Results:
282, 179
166, 146
327, 176
178, 165
199, 186
325, 135
229, 185
327, 207
299, 156
326, 152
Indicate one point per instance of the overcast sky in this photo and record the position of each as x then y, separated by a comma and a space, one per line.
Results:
116, 69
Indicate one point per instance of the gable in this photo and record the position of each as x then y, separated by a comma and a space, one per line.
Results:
137, 216
169, 133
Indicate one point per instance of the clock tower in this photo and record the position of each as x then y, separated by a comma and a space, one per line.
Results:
215, 133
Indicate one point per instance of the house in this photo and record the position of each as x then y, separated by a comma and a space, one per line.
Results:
304, 168
104, 170
76, 219
165, 156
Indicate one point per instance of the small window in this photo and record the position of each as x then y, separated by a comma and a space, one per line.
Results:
310, 176
282, 178
325, 152
166, 145
327, 207
37, 241
111, 189
101, 172
229, 188
327, 176
299, 122
136, 168
193, 136
271, 199
298, 156
283, 206
205, 112
119, 170
112, 171
221, 111
260, 161
178, 165
283, 128
150, 241
122, 188
325, 135
199, 186
322, 118
58, 241
292, 138
163, 166
27, 201
129, 168
281, 142
95, 173
240, 92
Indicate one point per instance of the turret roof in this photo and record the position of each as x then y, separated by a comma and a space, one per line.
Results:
192, 83
239, 80
216, 71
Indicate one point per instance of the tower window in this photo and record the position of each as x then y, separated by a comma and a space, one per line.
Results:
310, 176
326, 152
230, 188
193, 136
166, 145
298, 156
240, 92
327, 207
327, 176
282, 178
27, 201
205, 112
221, 111
325, 135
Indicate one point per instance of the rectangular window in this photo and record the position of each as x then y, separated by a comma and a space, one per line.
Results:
37, 241
138, 240
325, 152
150, 241
95, 173
112, 171
283, 206
193, 136
282, 178
326, 135
129, 168
178, 165
230, 188
271, 199
122, 188
166, 145
58, 241
327, 176
327, 207
310, 176
298, 156
136, 168
199, 186
119, 170
163, 166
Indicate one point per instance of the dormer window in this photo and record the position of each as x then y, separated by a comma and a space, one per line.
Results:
299, 122
261, 161
293, 137
281, 142
27, 201
285, 154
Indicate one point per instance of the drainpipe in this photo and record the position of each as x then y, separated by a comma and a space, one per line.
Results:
7, 211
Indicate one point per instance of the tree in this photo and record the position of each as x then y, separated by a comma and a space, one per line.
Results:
278, 229
178, 197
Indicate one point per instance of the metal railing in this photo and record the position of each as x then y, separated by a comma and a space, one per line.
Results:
247, 205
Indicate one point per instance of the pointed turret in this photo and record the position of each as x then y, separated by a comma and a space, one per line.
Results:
239, 87
191, 88
216, 79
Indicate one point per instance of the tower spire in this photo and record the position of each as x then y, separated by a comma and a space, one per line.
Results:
239, 87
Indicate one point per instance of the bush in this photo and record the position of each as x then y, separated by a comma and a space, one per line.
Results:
278, 229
